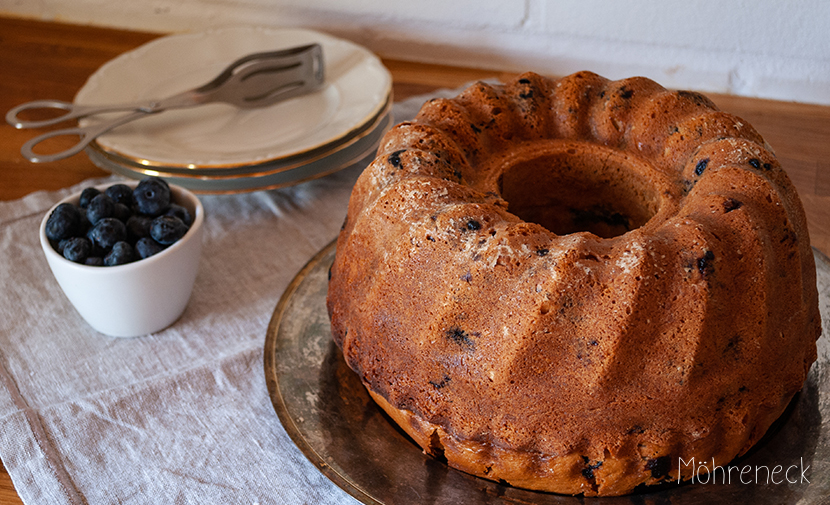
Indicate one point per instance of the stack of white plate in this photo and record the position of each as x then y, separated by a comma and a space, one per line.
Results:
218, 148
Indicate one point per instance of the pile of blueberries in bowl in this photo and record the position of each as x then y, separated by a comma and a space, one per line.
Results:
118, 225
148, 237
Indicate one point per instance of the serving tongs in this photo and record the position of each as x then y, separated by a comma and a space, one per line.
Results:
256, 80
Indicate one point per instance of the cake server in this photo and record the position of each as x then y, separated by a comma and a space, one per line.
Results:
256, 80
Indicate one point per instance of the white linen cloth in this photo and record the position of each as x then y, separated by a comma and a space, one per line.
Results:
181, 416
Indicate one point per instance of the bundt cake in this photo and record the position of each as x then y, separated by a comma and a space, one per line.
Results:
576, 285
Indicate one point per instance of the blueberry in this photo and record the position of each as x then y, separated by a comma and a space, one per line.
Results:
152, 196
460, 337
705, 264
85, 224
63, 222
97, 250
121, 253
167, 229
61, 245
179, 212
138, 226
77, 249
394, 159
120, 193
121, 212
701, 166
106, 232
87, 195
94, 261
146, 247
659, 467
99, 207
588, 471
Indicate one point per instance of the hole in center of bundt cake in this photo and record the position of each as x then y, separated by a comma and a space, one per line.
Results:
571, 187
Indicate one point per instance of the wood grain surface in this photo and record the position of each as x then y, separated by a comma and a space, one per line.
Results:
41, 60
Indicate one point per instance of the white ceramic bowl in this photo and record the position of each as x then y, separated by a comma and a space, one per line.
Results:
138, 298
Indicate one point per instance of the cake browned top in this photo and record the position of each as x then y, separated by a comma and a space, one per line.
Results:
578, 266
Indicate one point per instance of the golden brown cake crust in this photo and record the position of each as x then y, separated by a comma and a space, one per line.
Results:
570, 284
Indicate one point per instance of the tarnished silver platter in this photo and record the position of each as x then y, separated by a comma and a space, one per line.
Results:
332, 419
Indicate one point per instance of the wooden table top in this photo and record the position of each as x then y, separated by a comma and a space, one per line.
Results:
41, 60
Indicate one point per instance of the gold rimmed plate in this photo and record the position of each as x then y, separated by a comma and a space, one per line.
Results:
333, 421
220, 136
254, 170
362, 148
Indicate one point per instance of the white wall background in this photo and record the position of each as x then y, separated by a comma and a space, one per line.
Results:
765, 48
